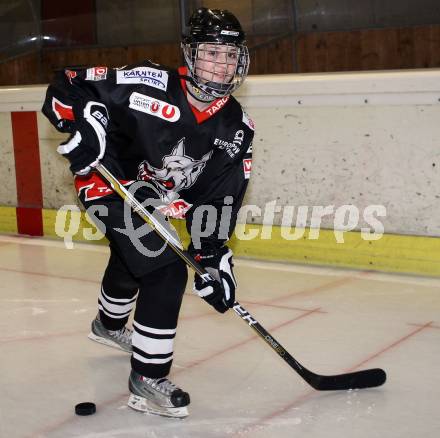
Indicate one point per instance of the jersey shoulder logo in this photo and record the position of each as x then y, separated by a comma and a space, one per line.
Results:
70, 74
247, 167
96, 74
248, 121
154, 107
178, 172
152, 77
232, 148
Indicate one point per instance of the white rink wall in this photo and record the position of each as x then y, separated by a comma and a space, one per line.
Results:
8, 188
351, 138
321, 139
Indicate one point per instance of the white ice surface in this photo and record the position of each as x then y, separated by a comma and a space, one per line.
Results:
330, 320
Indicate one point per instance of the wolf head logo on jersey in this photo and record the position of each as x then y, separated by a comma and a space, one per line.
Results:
178, 172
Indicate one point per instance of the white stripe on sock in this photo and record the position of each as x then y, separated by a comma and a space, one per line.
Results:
115, 308
152, 345
154, 330
111, 315
116, 300
156, 361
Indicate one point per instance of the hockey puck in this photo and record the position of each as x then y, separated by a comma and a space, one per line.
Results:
86, 408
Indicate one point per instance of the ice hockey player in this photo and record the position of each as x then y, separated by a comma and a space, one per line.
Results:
182, 132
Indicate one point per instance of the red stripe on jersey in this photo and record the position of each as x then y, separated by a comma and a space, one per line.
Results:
61, 110
27, 173
94, 186
215, 106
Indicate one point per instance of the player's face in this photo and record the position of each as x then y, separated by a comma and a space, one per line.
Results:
216, 62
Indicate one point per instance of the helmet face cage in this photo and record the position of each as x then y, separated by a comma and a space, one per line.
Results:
217, 68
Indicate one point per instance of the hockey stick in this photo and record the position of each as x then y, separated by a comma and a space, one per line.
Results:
358, 379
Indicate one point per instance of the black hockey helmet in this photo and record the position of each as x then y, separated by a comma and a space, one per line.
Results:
214, 25
218, 31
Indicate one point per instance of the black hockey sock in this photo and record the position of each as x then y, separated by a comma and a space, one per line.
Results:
118, 294
155, 319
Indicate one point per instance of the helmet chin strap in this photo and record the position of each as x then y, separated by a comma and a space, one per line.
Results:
199, 94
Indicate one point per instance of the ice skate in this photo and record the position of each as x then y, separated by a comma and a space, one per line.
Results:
157, 396
120, 339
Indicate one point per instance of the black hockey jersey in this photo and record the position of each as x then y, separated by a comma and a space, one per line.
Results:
193, 158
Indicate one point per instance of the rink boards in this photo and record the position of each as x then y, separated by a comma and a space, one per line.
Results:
338, 140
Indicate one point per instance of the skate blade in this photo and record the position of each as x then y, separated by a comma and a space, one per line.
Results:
144, 405
107, 342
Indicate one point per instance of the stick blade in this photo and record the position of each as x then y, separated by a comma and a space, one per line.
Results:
357, 380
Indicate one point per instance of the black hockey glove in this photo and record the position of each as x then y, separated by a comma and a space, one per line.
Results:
86, 146
219, 293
